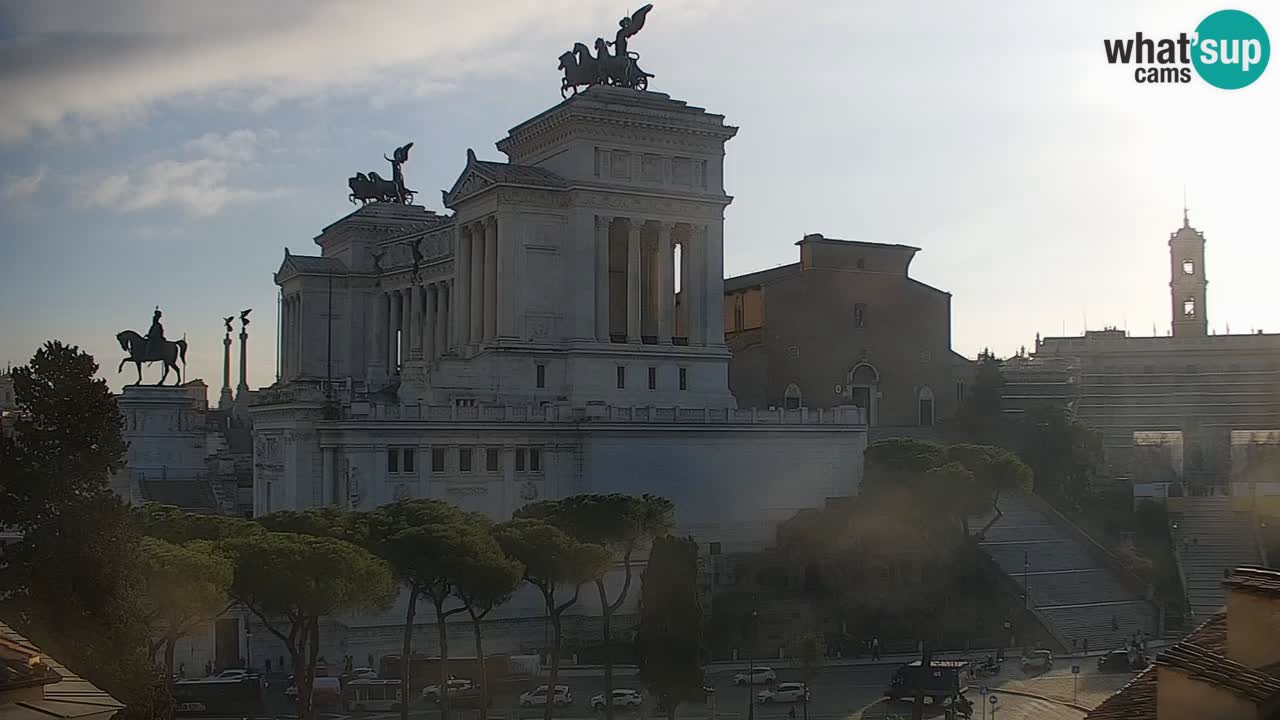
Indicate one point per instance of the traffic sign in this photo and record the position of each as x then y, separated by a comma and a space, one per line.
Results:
993, 699
1075, 669
982, 690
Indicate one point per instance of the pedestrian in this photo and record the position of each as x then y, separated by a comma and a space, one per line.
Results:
268, 663
1084, 646
182, 671
875, 648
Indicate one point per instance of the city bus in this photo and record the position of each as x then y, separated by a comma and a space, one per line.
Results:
379, 695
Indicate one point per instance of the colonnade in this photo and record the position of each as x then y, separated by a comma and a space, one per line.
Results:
412, 323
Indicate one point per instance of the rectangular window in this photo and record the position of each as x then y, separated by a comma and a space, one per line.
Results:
464, 402
464, 458
393, 460
535, 459
491, 459
437, 459
520, 455
542, 376
715, 548
622, 377
684, 379
653, 378
408, 460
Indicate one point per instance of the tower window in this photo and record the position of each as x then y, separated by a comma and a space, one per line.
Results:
1188, 267
1189, 308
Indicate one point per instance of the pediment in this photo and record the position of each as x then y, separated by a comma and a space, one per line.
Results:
473, 179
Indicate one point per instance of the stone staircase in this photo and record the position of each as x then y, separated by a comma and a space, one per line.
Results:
1074, 592
1211, 540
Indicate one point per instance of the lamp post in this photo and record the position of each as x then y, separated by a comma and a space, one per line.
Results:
751, 705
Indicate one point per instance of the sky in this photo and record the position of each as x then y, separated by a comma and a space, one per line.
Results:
163, 152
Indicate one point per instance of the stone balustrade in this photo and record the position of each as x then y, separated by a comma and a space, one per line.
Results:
602, 414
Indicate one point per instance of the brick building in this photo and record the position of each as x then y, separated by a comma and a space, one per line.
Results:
846, 325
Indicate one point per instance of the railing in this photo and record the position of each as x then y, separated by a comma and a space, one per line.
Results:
370, 410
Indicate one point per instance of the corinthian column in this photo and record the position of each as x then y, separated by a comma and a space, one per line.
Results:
633, 281
666, 273
490, 278
477, 282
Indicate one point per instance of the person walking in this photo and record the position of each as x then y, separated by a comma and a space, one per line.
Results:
875, 649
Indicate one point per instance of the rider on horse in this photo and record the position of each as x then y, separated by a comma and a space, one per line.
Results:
155, 335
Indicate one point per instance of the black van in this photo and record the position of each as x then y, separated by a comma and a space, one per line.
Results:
946, 678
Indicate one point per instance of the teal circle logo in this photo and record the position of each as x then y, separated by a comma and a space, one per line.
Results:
1232, 49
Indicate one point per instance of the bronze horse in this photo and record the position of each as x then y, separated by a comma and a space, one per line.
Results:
170, 351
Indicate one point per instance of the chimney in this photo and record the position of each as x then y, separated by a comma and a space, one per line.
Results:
1253, 616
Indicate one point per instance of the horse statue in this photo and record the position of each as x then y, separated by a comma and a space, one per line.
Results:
579, 67
166, 351
374, 188
619, 69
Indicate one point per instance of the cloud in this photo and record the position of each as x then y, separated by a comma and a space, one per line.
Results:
19, 187
200, 184
94, 64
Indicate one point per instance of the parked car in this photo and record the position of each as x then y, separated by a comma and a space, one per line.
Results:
364, 673
238, 674
784, 692
537, 697
622, 697
324, 690
943, 679
1121, 661
1037, 661
456, 685
756, 676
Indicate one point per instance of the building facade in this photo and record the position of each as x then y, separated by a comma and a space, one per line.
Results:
1191, 398
845, 326
559, 332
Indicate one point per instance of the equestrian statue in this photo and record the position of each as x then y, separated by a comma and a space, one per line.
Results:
153, 348
619, 69
373, 188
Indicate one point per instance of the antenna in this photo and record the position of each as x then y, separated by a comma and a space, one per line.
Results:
1185, 221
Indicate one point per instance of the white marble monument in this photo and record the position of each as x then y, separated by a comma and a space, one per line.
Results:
560, 332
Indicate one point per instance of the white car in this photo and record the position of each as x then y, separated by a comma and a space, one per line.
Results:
456, 685
364, 673
621, 698
238, 674
537, 697
756, 676
784, 692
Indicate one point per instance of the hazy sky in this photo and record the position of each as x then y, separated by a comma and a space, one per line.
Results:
161, 152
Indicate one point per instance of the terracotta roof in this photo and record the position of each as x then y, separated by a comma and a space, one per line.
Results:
1215, 669
1257, 580
760, 277
1137, 699
70, 698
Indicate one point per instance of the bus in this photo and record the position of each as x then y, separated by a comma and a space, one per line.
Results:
214, 697
378, 695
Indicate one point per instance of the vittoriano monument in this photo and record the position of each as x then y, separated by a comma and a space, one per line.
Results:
372, 188
619, 69
153, 348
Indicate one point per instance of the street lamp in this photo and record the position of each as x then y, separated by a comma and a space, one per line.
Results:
751, 706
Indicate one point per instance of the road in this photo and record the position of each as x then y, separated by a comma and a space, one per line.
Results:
839, 693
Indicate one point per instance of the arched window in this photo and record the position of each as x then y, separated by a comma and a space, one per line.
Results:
925, 401
1189, 308
864, 383
791, 399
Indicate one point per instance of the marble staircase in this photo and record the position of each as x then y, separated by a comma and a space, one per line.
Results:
1211, 540
1071, 589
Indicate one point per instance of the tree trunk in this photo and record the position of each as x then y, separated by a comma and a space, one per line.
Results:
926, 662
606, 615
484, 672
169, 643
556, 641
443, 633
406, 653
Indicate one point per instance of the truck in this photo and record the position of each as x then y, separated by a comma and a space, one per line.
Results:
944, 679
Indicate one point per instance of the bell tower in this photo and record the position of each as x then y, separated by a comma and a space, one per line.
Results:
1187, 282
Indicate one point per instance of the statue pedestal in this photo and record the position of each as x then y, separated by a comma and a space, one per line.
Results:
166, 429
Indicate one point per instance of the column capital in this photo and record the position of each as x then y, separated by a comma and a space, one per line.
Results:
489, 221
603, 221
665, 226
